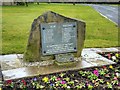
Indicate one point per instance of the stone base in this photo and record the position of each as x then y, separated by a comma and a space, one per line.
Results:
12, 69
69, 64
39, 64
42, 70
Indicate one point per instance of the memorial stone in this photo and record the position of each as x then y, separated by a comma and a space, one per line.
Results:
55, 37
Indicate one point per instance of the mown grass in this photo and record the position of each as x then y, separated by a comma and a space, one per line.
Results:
16, 24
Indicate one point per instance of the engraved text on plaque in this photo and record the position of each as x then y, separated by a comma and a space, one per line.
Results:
58, 38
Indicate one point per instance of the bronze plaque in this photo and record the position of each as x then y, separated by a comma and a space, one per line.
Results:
58, 37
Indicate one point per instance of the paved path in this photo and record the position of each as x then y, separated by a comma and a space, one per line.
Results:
110, 12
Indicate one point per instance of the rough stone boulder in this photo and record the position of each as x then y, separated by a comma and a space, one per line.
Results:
33, 51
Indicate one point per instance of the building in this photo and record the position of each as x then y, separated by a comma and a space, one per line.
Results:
13, 2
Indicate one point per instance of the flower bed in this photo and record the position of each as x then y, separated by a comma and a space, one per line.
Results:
114, 56
96, 78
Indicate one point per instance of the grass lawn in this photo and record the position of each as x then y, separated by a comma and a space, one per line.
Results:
16, 25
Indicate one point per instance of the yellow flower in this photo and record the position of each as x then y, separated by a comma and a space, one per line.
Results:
45, 79
111, 67
42, 86
117, 55
37, 86
33, 83
0, 88
107, 82
56, 84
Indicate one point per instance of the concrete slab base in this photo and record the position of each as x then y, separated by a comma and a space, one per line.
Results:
34, 70
13, 69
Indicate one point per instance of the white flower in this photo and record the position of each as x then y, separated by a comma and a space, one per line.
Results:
118, 74
113, 57
68, 86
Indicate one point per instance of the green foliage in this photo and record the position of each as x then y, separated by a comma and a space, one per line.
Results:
92, 77
101, 81
53, 78
82, 73
80, 86
102, 72
71, 82
90, 87
16, 24
62, 74
85, 73
67, 79
109, 85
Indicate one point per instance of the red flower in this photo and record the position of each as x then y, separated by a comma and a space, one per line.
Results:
24, 82
96, 72
109, 55
104, 67
58, 79
63, 82
115, 78
119, 84
9, 81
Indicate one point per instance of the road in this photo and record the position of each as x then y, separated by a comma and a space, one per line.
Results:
110, 12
